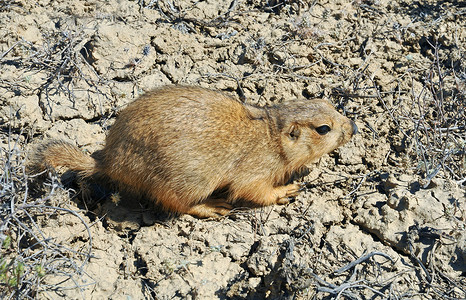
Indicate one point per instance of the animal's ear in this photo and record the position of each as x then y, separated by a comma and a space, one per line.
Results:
293, 132
255, 113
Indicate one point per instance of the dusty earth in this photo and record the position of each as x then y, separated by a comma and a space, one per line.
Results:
394, 196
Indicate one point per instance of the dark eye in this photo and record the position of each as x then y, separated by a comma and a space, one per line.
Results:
324, 129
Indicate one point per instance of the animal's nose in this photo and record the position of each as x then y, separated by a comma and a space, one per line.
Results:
355, 128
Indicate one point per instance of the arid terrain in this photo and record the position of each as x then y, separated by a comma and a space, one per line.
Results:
383, 217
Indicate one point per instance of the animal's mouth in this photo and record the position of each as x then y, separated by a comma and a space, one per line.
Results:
348, 134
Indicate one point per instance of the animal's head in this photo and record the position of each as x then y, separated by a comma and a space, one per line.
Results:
310, 129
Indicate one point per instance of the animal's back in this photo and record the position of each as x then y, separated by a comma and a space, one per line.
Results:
182, 141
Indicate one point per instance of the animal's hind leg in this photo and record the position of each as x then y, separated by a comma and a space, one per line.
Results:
264, 194
210, 208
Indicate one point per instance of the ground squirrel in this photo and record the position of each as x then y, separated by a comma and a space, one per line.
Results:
176, 145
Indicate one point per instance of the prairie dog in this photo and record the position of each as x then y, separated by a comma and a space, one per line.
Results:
177, 144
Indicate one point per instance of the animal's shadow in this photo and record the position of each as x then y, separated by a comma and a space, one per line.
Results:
118, 209
122, 210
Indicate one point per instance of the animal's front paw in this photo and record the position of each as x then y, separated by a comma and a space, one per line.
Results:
288, 191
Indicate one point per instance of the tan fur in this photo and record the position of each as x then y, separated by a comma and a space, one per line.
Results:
58, 153
179, 144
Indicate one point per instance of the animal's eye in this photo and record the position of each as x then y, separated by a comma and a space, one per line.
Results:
324, 129
294, 133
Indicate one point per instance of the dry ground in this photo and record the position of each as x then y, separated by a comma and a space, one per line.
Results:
382, 217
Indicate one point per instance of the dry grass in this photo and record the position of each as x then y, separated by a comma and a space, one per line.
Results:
430, 122
28, 256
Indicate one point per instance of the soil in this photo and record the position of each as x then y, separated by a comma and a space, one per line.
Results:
68, 67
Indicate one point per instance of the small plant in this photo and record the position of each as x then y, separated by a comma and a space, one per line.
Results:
11, 273
11, 270
437, 123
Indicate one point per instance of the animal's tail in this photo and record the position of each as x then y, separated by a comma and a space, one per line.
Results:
58, 153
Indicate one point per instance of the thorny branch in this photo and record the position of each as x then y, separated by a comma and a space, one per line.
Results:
34, 256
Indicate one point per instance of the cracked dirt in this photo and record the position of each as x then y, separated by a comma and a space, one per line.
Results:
68, 67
